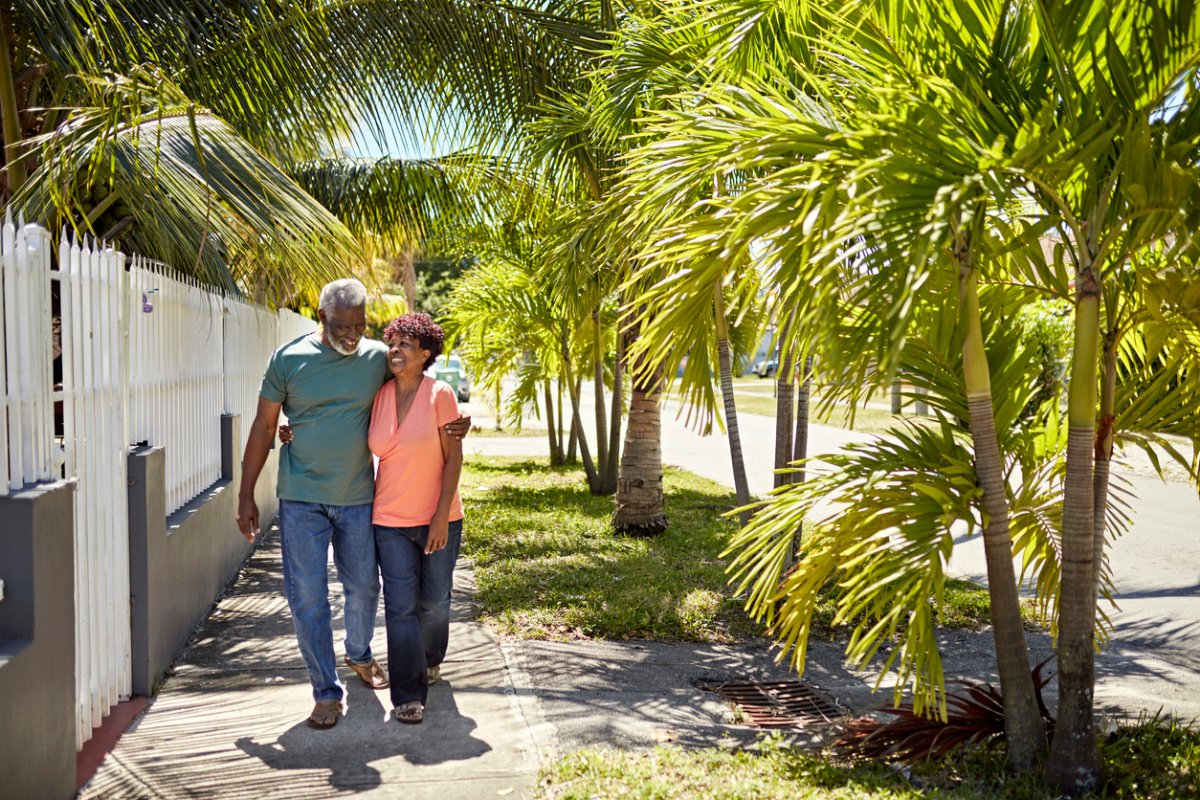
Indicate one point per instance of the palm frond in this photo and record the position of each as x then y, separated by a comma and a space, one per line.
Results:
200, 197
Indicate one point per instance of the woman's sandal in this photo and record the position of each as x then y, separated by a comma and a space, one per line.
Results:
370, 674
410, 713
325, 714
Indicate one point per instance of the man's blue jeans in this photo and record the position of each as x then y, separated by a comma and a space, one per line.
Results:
416, 604
307, 530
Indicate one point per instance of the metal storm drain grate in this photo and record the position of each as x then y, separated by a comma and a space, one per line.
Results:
781, 704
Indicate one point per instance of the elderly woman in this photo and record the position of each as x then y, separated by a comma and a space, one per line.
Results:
418, 514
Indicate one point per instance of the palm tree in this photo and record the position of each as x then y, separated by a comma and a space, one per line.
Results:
916, 151
1135, 185
190, 117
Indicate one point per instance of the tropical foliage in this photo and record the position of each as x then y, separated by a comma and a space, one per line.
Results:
938, 191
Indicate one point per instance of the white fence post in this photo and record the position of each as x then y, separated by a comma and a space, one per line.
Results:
26, 399
93, 293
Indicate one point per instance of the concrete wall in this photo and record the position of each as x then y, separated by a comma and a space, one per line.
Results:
180, 565
37, 643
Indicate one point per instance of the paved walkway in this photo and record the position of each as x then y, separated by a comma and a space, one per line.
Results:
229, 723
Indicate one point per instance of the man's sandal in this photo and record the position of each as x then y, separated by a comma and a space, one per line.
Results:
410, 713
371, 674
325, 714
433, 673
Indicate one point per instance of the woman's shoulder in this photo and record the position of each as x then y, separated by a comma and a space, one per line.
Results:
387, 389
434, 386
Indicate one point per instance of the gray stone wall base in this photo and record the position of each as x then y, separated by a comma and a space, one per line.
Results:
178, 565
37, 643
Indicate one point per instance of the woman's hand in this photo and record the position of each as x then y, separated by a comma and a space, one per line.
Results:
285, 433
439, 534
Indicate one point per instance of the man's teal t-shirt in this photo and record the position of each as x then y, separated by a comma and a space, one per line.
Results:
327, 398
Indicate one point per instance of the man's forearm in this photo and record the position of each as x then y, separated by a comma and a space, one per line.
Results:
258, 447
451, 472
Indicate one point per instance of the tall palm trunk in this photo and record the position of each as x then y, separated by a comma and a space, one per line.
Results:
404, 273
800, 440
784, 392
639, 509
612, 468
589, 467
725, 364
554, 434
14, 166
576, 432
1104, 449
598, 387
563, 433
1074, 764
1023, 729
803, 398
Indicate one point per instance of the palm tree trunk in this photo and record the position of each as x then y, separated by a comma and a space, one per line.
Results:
589, 468
803, 396
616, 414
598, 384
499, 410
784, 392
556, 452
1023, 730
639, 509
576, 431
14, 166
563, 434
404, 273
800, 440
725, 362
1104, 448
1074, 764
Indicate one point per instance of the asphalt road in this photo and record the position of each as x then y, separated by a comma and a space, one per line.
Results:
1153, 661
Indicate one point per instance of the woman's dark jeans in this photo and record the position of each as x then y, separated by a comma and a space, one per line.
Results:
416, 604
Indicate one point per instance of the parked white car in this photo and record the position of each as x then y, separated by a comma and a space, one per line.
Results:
449, 369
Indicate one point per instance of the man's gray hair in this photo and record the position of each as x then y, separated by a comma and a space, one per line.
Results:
344, 293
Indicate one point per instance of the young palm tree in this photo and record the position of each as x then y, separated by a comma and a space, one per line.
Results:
915, 151
1134, 184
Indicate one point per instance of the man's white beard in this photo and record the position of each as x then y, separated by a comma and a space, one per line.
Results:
337, 346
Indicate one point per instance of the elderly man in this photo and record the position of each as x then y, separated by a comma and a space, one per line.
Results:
325, 383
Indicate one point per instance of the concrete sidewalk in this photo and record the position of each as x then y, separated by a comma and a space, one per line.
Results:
230, 721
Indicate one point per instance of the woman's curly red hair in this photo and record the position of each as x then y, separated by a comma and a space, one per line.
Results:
421, 327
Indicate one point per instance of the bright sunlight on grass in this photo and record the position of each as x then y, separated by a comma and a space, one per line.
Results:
1150, 759
756, 396
548, 565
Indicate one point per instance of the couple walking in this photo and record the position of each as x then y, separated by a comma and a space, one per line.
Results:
348, 398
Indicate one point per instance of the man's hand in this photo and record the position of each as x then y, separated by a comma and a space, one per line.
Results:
459, 428
285, 433
247, 517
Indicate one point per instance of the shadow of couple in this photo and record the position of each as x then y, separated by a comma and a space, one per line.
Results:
367, 733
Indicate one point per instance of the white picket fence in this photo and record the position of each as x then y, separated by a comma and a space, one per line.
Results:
147, 357
176, 383
26, 404
95, 372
